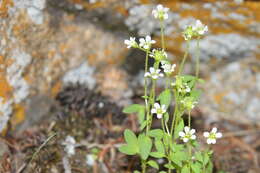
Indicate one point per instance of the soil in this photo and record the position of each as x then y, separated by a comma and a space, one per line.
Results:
97, 123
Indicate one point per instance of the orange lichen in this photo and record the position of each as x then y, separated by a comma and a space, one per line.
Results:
4, 5
5, 88
56, 89
218, 97
18, 115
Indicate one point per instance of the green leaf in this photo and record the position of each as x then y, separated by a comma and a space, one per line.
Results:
166, 117
206, 159
153, 164
162, 172
156, 133
209, 168
185, 169
126, 149
157, 155
179, 157
177, 147
130, 137
194, 143
159, 146
169, 166
201, 81
199, 157
137, 171
141, 115
133, 108
166, 140
195, 94
145, 146
165, 98
196, 167
143, 125
179, 128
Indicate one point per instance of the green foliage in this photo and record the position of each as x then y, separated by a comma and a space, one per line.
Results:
145, 146
165, 98
131, 148
156, 133
153, 164
136, 108
179, 128
180, 91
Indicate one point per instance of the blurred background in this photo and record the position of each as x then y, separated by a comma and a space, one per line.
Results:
64, 68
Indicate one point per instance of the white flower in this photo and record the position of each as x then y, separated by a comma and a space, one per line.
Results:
168, 68
160, 12
159, 110
199, 28
90, 159
131, 42
70, 144
147, 42
212, 136
187, 134
154, 73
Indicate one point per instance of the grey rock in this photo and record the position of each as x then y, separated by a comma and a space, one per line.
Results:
225, 46
233, 92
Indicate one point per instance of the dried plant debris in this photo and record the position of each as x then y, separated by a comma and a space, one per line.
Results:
88, 103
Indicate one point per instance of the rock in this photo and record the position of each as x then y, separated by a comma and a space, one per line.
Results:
232, 92
42, 46
3, 149
225, 46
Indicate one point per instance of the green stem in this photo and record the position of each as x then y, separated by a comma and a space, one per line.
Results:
162, 35
143, 166
198, 58
145, 91
184, 58
162, 122
167, 82
189, 123
175, 112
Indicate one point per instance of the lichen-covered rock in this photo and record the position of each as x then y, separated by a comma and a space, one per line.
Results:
232, 92
225, 46
40, 44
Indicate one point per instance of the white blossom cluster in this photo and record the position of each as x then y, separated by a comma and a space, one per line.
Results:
195, 30
145, 43
189, 134
161, 12
141, 20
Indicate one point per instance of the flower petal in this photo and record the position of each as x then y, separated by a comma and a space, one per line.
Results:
153, 111
218, 135
206, 134
214, 130
159, 7
181, 134
187, 129
213, 141
208, 141
193, 137
185, 140
159, 116
192, 131
157, 105
148, 38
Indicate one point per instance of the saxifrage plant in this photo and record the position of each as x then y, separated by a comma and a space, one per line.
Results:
174, 142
